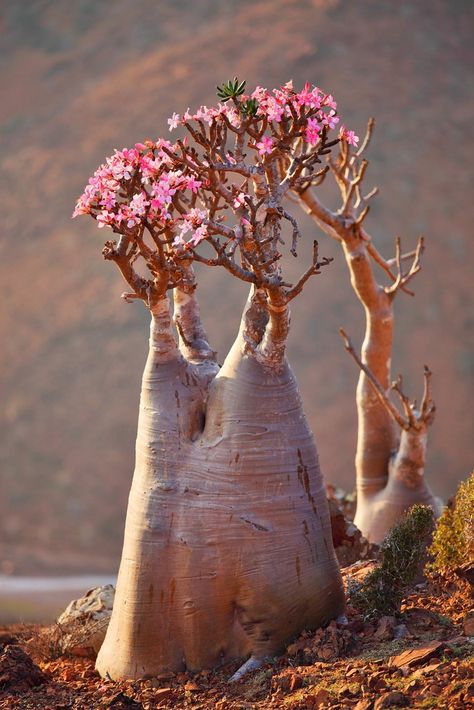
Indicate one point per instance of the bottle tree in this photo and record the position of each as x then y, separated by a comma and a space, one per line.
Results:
227, 550
391, 447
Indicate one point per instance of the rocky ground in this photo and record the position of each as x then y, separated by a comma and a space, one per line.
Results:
421, 659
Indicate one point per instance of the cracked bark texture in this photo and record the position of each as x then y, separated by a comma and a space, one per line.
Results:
228, 550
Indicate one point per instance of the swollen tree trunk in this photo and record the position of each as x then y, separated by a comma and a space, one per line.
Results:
228, 550
376, 435
384, 490
380, 505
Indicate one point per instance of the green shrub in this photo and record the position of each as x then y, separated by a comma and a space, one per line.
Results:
453, 540
402, 554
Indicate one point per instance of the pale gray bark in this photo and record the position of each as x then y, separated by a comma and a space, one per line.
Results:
228, 550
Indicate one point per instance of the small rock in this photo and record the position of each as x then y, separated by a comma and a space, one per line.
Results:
84, 622
191, 686
426, 670
389, 700
468, 624
416, 655
364, 705
349, 544
162, 694
345, 690
318, 699
352, 672
166, 675
358, 571
384, 631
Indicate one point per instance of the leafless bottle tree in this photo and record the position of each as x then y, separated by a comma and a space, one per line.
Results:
389, 467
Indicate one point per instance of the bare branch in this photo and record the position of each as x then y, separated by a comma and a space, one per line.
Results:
379, 390
362, 215
367, 138
141, 287
327, 220
296, 231
403, 278
129, 297
428, 407
404, 257
311, 271
397, 387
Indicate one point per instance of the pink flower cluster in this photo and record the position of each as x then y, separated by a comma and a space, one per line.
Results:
137, 184
193, 222
207, 115
311, 105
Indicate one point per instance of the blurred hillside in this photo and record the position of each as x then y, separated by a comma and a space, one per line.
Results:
79, 79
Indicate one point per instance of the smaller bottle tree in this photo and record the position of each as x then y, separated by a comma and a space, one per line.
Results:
227, 549
391, 447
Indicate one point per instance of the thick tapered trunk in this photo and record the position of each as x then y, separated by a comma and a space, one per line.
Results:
406, 487
228, 550
385, 490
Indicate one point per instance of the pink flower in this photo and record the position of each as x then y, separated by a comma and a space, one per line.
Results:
232, 115
260, 94
310, 97
120, 170
204, 114
312, 131
240, 200
330, 119
193, 184
329, 101
196, 216
138, 204
174, 121
105, 219
108, 200
265, 145
274, 110
132, 221
178, 241
199, 235
81, 208
348, 136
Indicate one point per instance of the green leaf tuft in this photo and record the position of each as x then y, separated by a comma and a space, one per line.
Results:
230, 90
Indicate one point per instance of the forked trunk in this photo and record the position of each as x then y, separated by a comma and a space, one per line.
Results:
228, 549
406, 487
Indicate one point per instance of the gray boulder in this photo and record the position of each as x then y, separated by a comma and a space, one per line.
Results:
83, 623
